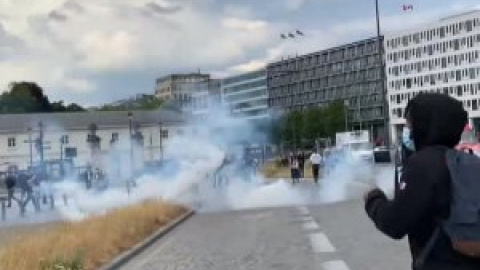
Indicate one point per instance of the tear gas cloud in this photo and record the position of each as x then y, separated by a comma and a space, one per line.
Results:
192, 160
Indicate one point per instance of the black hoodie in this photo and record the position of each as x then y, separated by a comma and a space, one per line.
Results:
424, 196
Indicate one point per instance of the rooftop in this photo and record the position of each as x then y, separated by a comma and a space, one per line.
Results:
81, 120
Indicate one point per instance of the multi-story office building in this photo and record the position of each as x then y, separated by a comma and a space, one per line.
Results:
179, 88
246, 95
441, 57
350, 72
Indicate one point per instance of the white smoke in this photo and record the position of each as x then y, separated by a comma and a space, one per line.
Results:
193, 159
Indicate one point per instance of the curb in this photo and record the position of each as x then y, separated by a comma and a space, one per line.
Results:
126, 256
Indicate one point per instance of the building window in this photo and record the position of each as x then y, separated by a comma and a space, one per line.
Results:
114, 136
65, 139
12, 142
164, 134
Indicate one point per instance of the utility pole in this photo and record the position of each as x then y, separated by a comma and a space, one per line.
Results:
382, 76
161, 141
29, 129
40, 145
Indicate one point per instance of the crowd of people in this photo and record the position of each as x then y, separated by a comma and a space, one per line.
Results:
297, 161
31, 185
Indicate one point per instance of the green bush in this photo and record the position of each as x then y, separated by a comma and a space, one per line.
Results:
75, 263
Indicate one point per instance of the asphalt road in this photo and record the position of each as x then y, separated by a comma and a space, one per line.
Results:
331, 237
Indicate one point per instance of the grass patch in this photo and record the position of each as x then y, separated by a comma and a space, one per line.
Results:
273, 169
90, 243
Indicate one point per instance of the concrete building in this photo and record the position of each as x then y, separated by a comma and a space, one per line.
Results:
442, 57
351, 72
207, 97
179, 88
98, 138
246, 95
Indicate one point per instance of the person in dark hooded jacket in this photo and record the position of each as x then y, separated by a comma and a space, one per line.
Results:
436, 122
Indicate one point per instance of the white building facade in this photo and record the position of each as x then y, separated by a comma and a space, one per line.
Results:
246, 95
441, 57
19, 139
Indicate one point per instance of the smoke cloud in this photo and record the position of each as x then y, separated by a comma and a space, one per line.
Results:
194, 158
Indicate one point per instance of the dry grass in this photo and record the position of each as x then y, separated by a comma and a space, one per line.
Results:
99, 238
273, 170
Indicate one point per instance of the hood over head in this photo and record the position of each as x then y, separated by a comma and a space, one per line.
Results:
436, 119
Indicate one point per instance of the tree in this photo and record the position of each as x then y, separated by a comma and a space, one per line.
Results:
74, 107
302, 128
24, 97
28, 97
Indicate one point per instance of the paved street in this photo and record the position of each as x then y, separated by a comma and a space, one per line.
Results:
330, 237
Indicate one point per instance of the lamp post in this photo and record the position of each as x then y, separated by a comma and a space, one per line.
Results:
130, 119
40, 145
382, 76
346, 103
63, 142
160, 124
29, 129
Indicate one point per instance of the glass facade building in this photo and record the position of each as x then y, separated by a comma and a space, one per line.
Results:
349, 73
246, 95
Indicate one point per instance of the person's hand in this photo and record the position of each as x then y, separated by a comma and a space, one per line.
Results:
372, 194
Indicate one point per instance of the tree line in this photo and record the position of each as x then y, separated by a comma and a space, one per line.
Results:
28, 97
301, 128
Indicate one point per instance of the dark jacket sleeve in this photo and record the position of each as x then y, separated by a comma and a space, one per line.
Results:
415, 197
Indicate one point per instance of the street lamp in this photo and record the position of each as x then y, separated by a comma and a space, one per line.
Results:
130, 119
382, 76
40, 145
346, 104
29, 130
63, 141
160, 124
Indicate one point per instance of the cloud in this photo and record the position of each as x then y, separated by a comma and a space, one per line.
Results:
294, 5
250, 66
86, 38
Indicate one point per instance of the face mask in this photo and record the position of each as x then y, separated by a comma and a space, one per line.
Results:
407, 140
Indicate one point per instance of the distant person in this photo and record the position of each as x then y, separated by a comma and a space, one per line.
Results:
434, 125
316, 160
10, 182
301, 164
25, 184
294, 169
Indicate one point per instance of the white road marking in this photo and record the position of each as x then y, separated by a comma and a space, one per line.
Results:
303, 210
335, 265
311, 225
307, 219
320, 243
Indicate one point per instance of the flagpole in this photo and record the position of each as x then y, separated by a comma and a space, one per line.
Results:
382, 76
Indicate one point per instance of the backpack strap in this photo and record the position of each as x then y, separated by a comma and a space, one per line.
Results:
423, 256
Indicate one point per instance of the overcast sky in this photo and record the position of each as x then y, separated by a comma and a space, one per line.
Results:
97, 51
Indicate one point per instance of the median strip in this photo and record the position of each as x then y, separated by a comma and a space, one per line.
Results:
94, 242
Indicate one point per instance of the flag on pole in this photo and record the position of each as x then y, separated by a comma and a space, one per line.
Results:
407, 7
